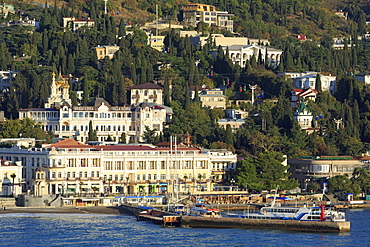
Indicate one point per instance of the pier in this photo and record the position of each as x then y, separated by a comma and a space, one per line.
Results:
168, 219
153, 215
305, 226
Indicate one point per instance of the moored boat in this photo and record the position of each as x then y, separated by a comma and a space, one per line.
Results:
277, 212
203, 210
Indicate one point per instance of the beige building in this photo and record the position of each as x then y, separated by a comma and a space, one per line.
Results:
10, 177
156, 42
213, 98
192, 14
71, 167
105, 51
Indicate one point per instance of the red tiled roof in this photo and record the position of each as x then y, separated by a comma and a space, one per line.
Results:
69, 143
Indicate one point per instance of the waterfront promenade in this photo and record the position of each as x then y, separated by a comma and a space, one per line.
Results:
62, 210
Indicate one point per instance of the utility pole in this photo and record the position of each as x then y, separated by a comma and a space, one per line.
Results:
105, 6
338, 122
253, 88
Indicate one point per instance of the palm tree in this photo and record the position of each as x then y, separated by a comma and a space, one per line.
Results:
13, 176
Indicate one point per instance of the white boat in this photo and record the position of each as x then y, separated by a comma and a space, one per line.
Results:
276, 212
203, 210
177, 209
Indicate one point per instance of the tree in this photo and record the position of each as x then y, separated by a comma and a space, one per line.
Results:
92, 136
13, 176
150, 135
264, 172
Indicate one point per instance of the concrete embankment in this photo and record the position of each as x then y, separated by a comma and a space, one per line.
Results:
61, 210
307, 226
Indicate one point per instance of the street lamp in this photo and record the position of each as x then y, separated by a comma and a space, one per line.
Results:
232, 181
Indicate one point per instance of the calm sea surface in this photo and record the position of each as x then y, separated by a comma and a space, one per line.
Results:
124, 230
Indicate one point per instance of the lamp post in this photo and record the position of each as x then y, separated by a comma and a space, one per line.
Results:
232, 181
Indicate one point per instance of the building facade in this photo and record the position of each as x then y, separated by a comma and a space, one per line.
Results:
241, 54
320, 169
304, 80
67, 121
10, 177
213, 98
303, 116
72, 167
192, 14
74, 24
104, 51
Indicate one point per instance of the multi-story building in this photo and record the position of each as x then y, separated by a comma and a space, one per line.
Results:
303, 116
147, 93
156, 42
105, 51
213, 98
235, 118
241, 54
10, 177
320, 169
298, 94
73, 167
192, 14
74, 24
220, 40
67, 121
304, 80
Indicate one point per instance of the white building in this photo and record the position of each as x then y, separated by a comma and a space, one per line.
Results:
363, 77
74, 24
304, 80
298, 94
240, 54
303, 116
220, 40
147, 93
67, 121
72, 167
6, 78
235, 118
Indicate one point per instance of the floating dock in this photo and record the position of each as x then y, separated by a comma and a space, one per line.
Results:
305, 226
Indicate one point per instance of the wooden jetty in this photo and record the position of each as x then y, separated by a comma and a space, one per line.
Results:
156, 216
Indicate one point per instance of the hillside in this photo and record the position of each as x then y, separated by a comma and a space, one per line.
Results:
256, 19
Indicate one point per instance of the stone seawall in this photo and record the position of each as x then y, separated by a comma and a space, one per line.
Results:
307, 226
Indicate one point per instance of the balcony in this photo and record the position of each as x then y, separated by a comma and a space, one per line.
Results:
153, 96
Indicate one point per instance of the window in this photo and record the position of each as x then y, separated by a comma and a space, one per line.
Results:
163, 176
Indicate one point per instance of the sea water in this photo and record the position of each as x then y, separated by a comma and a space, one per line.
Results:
124, 230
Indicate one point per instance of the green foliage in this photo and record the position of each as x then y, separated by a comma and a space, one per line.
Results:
264, 172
